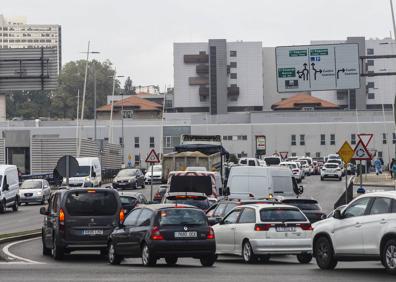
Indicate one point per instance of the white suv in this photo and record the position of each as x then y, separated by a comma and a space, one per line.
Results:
365, 230
330, 170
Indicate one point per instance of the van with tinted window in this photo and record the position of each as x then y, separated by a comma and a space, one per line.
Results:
9, 189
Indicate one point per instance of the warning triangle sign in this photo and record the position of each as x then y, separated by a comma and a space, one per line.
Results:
361, 152
366, 138
152, 157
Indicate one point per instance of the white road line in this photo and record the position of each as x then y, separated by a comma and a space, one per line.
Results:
15, 257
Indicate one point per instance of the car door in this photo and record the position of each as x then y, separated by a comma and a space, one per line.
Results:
46, 189
47, 224
122, 237
348, 233
244, 228
374, 223
52, 219
137, 234
225, 232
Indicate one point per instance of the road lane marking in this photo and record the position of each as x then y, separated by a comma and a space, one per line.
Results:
7, 252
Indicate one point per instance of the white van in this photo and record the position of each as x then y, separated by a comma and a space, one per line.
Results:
89, 173
249, 162
9, 189
261, 182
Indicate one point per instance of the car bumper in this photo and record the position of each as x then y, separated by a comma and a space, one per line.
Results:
331, 175
131, 185
184, 248
32, 199
281, 246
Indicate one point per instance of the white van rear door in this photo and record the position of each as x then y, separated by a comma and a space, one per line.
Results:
258, 185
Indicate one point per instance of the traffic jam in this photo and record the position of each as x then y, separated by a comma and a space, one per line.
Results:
204, 207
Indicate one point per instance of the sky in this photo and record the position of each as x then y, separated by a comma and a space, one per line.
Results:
138, 36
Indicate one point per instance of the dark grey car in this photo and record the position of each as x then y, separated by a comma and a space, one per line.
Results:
80, 219
129, 178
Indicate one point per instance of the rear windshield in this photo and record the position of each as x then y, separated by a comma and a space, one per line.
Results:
33, 184
283, 184
203, 204
131, 201
303, 205
281, 215
187, 183
272, 161
331, 166
182, 217
84, 203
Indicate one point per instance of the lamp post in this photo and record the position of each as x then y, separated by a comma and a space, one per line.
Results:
112, 106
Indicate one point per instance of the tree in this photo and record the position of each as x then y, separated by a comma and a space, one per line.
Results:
128, 88
233, 159
28, 104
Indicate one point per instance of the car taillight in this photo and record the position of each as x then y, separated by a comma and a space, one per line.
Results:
155, 234
306, 226
262, 227
122, 215
61, 216
211, 234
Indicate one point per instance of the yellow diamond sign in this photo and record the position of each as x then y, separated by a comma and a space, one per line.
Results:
346, 152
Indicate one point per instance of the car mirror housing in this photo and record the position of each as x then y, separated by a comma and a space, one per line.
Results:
43, 211
337, 214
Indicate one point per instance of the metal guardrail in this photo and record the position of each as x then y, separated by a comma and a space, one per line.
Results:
345, 199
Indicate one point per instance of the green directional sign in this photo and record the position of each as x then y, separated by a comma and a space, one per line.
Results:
286, 72
298, 53
319, 52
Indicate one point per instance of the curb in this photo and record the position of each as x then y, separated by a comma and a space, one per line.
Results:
12, 237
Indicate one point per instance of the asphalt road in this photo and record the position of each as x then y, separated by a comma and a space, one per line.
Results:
92, 267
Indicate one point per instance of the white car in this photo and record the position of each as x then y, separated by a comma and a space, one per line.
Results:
330, 170
156, 176
364, 230
297, 172
305, 167
261, 230
34, 191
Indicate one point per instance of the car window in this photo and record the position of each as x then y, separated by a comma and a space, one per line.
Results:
243, 161
357, 208
87, 203
248, 216
281, 215
132, 217
232, 217
144, 218
393, 206
219, 210
182, 217
252, 163
229, 207
381, 205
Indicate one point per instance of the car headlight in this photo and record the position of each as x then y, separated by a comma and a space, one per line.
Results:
39, 193
86, 179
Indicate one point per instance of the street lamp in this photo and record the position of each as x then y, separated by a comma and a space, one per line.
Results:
112, 108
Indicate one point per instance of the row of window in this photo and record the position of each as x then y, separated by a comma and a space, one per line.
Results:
137, 142
235, 137
318, 154
332, 139
384, 138
28, 40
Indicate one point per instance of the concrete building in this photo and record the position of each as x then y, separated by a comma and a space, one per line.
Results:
218, 77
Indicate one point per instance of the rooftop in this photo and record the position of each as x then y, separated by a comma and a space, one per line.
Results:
303, 100
133, 101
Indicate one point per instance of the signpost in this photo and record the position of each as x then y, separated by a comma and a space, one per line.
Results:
361, 153
152, 158
317, 67
346, 152
67, 166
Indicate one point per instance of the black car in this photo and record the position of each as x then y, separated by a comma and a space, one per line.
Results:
309, 207
129, 200
80, 219
199, 200
163, 231
129, 178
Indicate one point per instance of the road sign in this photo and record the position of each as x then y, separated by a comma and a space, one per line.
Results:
63, 162
346, 152
317, 67
366, 138
152, 157
129, 157
361, 152
283, 155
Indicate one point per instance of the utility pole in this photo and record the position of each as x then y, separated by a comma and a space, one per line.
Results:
94, 77
112, 105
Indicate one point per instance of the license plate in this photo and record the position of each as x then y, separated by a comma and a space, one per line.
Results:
93, 232
189, 234
285, 229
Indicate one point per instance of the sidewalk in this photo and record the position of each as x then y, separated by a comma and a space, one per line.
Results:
371, 179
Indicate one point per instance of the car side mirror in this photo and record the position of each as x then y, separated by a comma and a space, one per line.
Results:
93, 174
43, 211
213, 221
337, 214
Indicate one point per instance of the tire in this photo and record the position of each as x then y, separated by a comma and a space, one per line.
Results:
388, 256
57, 251
46, 251
43, 200
304, 258
147, 258
171, 261
324, 254
321, 178
112, 256
247, 253
15, 206
143, 186
3, 207
208, 260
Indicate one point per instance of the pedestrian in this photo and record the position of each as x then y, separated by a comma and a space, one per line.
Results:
391, 167
378, 166
394, 169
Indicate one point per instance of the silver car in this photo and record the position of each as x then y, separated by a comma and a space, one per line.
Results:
34, 191
261, 230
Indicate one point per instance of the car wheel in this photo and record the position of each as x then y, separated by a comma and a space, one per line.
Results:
147, 258
171, 260
247, 253
208, 260
15, 206
389, 256
112, 256
143, 186
43, 200
321, 178
324, 254
3, 207
57, 251
46, 251
304, 258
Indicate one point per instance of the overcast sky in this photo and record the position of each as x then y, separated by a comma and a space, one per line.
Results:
137, 36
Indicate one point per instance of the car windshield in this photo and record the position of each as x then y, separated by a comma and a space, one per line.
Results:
35, 184
203, 204
334, 161
303, 204
126, 173
272, 161
281, 215
91, 203
83, 170
128, 201
291, 166
182, 217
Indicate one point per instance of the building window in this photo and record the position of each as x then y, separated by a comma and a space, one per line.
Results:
242, 137
127, 114
233, 53
370, 96
332, 139
383, 138
106, 139
152, 143
317, 154
137, 160
394, 138
302, 139
370, 84
370, 51
227, 137
322, 139
294, 154
233, 65
233, 76
293, 140
307, 154
370, 62
379, 154
137, 142
353, 139
168, 141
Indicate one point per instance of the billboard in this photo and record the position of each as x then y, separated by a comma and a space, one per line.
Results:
261, 145
28, 69
317, 67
